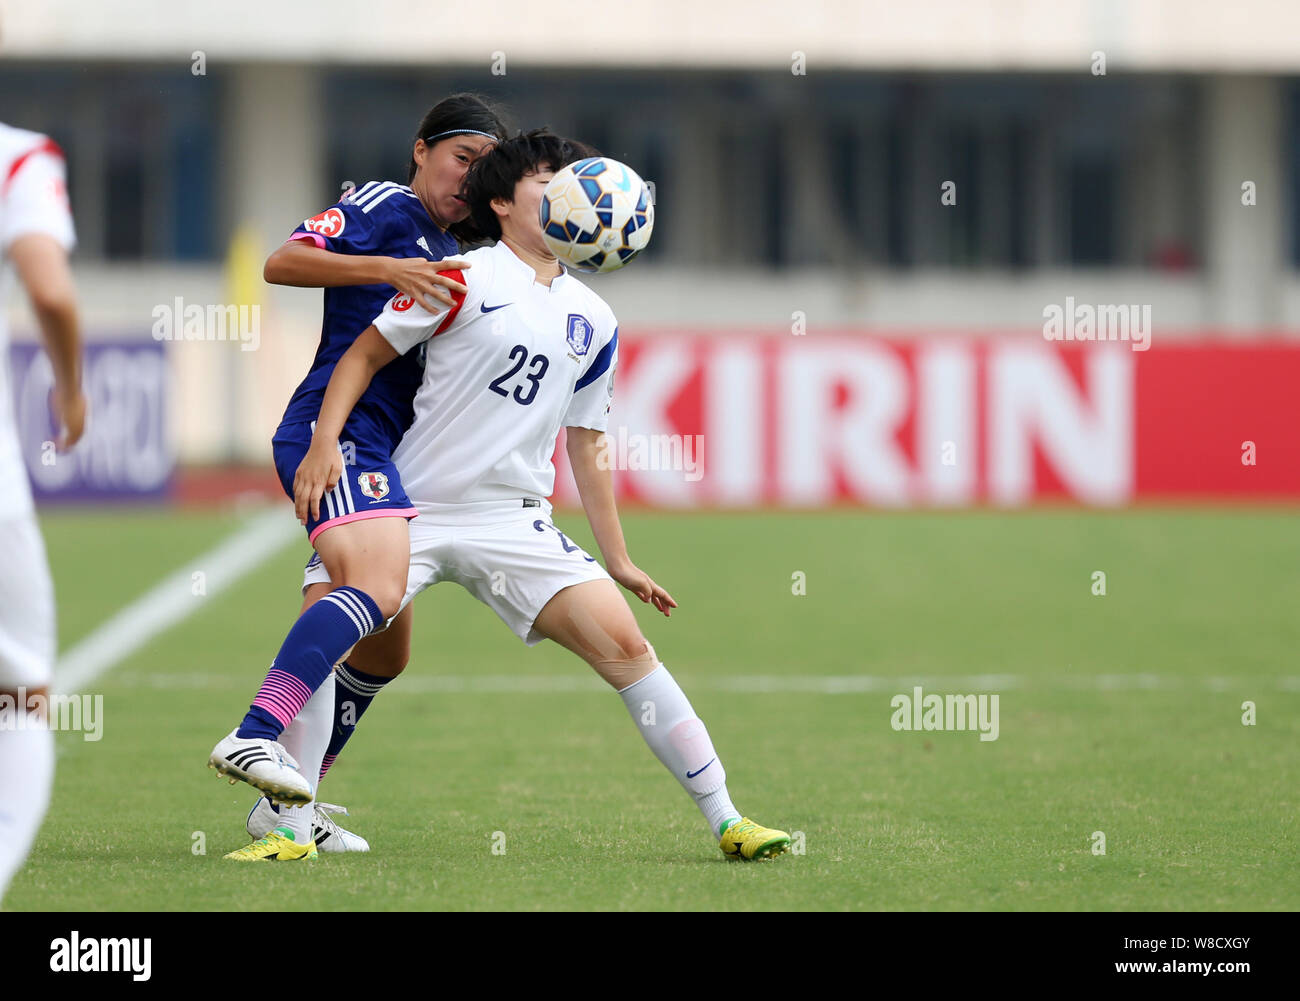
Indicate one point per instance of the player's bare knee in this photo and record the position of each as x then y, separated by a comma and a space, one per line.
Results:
631, 666
633, 645
385, 654
389, 600
386, 594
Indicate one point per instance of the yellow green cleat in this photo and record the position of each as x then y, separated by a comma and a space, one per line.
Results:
745, 840
275, 847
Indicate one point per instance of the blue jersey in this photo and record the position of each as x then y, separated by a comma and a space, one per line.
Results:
381, 219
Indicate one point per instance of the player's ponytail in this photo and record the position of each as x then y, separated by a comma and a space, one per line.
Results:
460, 111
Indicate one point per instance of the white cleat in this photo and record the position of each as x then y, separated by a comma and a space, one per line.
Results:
264, 765
329, 837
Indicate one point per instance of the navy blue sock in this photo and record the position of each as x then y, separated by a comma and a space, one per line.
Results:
353, 692
321, 636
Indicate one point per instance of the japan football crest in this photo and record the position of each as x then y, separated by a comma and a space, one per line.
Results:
373, 485
580, 332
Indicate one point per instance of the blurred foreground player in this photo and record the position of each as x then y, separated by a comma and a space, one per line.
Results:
35, 236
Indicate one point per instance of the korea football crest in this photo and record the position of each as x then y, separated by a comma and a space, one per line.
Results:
373, 485
580, 331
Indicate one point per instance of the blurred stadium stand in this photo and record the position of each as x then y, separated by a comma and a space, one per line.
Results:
779, 194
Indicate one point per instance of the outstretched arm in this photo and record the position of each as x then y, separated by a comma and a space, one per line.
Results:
300, 264
322, 466
596, 488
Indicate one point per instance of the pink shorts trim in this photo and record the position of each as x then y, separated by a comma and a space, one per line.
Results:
315, 238
388, 512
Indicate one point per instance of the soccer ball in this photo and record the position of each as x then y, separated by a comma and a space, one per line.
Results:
597, 214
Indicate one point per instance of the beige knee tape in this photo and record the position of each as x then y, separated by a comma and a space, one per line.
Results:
586, 632
621, 673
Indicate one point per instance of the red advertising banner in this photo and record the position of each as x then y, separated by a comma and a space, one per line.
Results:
814, 420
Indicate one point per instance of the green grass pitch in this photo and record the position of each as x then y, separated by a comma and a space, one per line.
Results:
1119, 714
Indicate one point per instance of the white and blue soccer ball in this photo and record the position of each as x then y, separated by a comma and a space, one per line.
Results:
597, 214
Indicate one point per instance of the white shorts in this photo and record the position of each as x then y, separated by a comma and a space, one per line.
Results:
514, 565
26, 606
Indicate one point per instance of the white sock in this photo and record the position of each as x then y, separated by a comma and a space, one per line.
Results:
678, 738
307, 738
26, 774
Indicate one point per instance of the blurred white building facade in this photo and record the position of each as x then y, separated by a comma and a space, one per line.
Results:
908, 171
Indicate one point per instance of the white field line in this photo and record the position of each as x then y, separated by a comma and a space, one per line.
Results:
172, 599
522, 684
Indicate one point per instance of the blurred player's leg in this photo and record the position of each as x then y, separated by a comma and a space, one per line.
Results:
26, 774
593, 620
26, 663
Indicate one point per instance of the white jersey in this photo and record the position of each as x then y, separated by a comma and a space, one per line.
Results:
33, 199
505, 368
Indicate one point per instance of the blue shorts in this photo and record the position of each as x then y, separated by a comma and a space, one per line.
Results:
370, 486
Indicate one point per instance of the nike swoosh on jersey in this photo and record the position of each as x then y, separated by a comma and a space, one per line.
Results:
484, 307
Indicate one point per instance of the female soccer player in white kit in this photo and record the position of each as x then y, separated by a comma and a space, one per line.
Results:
528, 349
35, 237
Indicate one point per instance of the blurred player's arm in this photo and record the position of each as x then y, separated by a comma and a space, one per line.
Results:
42, 266
301, 264
596, 488
322, 466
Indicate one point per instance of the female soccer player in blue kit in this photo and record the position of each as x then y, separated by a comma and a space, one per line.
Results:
379, 239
